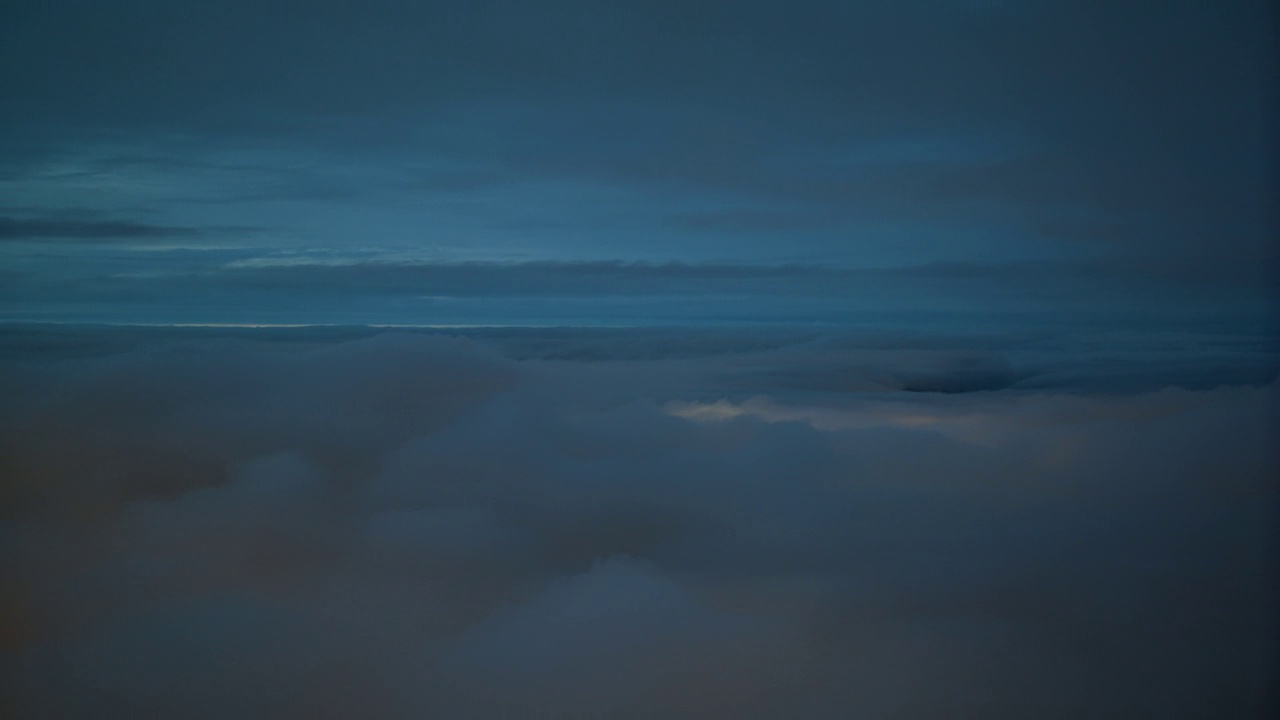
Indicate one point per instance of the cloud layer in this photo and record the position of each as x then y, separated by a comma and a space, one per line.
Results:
402, 525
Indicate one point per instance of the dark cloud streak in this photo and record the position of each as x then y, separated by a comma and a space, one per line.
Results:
871, 133
88, 230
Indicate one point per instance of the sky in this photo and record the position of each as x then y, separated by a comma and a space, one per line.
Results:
872, 359
615, 163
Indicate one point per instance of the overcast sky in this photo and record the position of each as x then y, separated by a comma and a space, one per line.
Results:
634, 162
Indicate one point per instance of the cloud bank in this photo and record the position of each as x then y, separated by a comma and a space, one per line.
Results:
409, 525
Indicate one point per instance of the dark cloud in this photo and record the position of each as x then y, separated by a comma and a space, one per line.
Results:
311, 522
748, 221
966, 374
257, 285
1209, 271
87, 230
1172, 91
517, 279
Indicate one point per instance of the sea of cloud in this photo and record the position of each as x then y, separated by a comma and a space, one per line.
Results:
551, 524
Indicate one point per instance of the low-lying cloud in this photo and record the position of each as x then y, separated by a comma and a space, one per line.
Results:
409, 525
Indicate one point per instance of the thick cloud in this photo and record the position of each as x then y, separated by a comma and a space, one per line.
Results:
311, 524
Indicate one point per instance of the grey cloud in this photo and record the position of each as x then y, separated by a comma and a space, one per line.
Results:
289, 288
516, 278
299, 522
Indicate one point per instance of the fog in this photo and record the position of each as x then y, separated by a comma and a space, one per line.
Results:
666, 524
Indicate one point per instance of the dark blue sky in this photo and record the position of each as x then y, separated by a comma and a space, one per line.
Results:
560, 162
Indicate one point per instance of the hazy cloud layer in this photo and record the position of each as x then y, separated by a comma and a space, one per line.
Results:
400, 525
